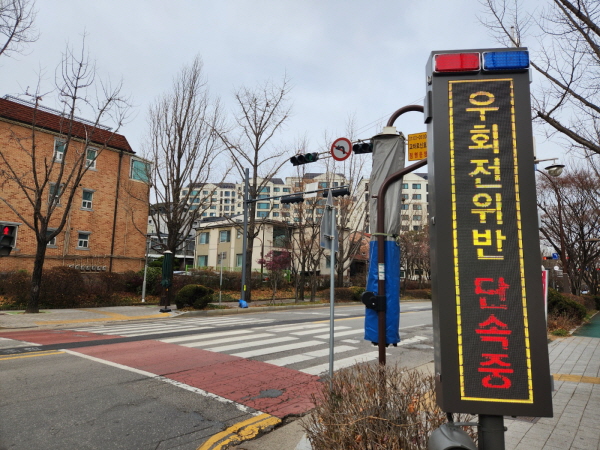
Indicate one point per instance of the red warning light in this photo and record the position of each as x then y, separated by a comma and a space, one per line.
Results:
6, 231
457, 62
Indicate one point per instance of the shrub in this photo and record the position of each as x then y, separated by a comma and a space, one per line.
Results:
597, 301
376, 407
357, 291
339, 295
418, 294
194, 295
16, 286
62, 287
559, 304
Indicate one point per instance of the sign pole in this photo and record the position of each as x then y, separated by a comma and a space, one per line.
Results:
331, 288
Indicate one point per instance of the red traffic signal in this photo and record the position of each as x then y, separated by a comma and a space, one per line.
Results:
7, 239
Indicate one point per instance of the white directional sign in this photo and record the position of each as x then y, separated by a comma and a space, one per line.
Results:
341, 149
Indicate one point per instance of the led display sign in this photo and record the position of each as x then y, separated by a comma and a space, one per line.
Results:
489, 327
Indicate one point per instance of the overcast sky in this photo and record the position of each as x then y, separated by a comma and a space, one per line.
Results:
344, 57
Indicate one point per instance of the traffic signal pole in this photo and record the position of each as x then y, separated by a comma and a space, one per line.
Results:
381, 314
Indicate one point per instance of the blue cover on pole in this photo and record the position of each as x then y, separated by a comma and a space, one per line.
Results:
392, 293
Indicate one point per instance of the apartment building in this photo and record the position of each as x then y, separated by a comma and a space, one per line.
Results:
105, 226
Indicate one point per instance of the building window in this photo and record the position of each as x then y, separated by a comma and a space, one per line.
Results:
404, 196
55, 193
265, 189
405, 207
140, 170
417, 218
87, 197
90, 160
276, 189
416, 227
418, 207
59, 150
225, 236
275, 214
323, 184
416, 186
226, 208
83, 240
404, 185
239, 234
405, 217
51, 242
286, 190
212, 215
404, 227
328, 262
203, 261
263, 206
262, 214
238, 260
416, 197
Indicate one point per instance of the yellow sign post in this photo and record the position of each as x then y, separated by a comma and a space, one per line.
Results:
417, 146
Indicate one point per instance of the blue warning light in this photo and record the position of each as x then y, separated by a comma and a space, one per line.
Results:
516, 60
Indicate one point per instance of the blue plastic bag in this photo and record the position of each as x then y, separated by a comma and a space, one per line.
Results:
392, 294
243, 303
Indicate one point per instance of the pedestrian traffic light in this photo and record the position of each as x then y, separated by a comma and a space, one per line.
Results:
337, 192
298, 198
363, 147
304, 158
7, 239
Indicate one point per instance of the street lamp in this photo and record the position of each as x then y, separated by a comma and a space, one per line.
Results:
554, 171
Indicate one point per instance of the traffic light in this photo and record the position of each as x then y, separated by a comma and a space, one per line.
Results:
7, 239
305, 158
337, 192
362, 147
298, 198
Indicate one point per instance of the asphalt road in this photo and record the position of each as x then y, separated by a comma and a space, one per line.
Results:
132, 386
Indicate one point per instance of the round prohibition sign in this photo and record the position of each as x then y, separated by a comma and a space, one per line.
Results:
341, 149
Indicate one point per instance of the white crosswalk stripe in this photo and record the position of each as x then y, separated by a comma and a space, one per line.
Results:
300, 346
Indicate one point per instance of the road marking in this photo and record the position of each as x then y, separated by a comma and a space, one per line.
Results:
341, 333
340, 364
242, 431
289, 360
317, 330
223, 341
187, 387
279, 328
245, 344
279, 349
32, 355
103, 319
325, 352
197, 337
576, 378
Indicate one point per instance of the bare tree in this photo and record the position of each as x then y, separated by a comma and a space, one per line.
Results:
261, 114
570, 221
565, 41
49, 189
184, 145
16, 25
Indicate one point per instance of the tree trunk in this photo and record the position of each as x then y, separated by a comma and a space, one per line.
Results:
248, 256
36, 279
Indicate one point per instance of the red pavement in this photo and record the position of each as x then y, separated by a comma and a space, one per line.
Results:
47, 337
251, 383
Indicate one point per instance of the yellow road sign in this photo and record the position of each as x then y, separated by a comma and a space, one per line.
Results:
417, 146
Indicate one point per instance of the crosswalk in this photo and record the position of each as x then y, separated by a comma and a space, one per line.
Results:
303, 347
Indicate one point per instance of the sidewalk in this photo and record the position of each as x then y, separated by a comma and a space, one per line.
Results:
575, 364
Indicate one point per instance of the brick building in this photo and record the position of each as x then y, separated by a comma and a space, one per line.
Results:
106, 224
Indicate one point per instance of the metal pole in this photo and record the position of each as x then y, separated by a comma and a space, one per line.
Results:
331, 295
221, 279
381, 319
245, 236
145, 270
381, 248
491, 432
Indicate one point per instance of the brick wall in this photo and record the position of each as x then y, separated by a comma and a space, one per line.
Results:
132, 205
